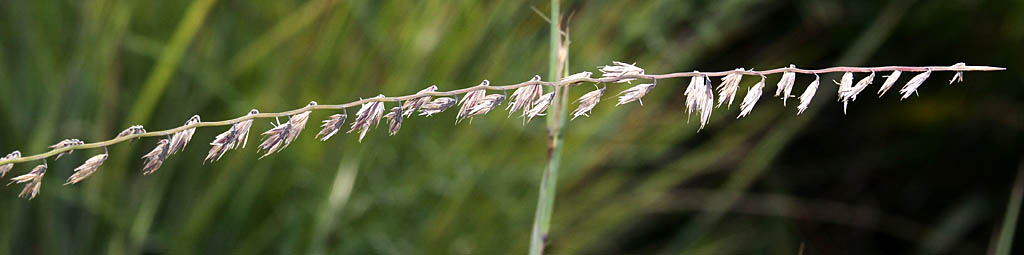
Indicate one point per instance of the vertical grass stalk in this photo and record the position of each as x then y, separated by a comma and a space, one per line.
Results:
555, 120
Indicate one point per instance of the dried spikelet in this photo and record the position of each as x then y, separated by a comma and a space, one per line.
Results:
892, 78
394, 120
237, 136
7, 167
298, 122
470, 100
785, 86
635, 93
331, 126
485, 105
156, 157
914, 83
34, 180
539, 107
133, 130
438, 105
66, 143
90, 166
619, 69
700, 98
845, 89
730, 84
276, 138
851, 95
587, 103
805, 98
367, 115
180, 140
410, 106
753, 94
575, 76
959, 76
524, 96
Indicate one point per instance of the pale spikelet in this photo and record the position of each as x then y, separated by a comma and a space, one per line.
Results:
34, 180
470, 100
438, 105
7, 167
394, 120
851, 94
297, 123
236, 137
524, 97
620, 69
410, 106
587, 103
727, 89
785, 86
331, 126
845, 89
753, 94
700, 98
485, 105
959, 76
180, 140
914, 83
275, 139
369, 114
85, 170
540, 106
805, 98
155, 158
892, 78
575, 76
635, 93
66, 143
133, 130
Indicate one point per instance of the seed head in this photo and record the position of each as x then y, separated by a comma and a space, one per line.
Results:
805, 98
66, 143
156, 157
959, 76
587, 103
394, 120
34, 180
786, 85
331, 126
727, 89
700, 98
753, 94
237, 136
484, 105
470, 100
275, 139
619, 69
85, 170
133, 130
410, 106
369, 114
539, 107
180, 140
892, 78
851, 95
914, 83
7, 167
635, 93
438, 105
298, 122
579, 75
524, 97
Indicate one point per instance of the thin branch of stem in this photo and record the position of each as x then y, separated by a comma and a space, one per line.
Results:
557, 66
555, 84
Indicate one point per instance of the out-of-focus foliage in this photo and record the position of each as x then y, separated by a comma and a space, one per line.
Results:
927, 175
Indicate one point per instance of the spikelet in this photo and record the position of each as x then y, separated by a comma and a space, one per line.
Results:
394, 120
914, 83
845, 89
539, 107
524, 97
587, 103
66, 143
753, 94
727, 89
155, 158
133, 130
619, 69
851, 95
959, 76
7, 167
892, 78
88, 168
34, 180
298, 122
576, 76
484, 105
367, 115
470, 100
805, 98
635, 93
282, 135
438, 105
180, 140
785, 86
700, 98
410, 106
331, 126
236, 137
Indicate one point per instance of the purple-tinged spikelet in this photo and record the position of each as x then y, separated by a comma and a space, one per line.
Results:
34, 180
133, 130
587, 103
438, 105
7, 167
155, 158
394, 120
524, 97
410, 106
539, 107
470, 100
331, 126
66, 143
180, 140
369, 114
88, 168
236, 137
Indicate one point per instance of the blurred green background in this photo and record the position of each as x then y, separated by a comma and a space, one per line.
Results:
931, 174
